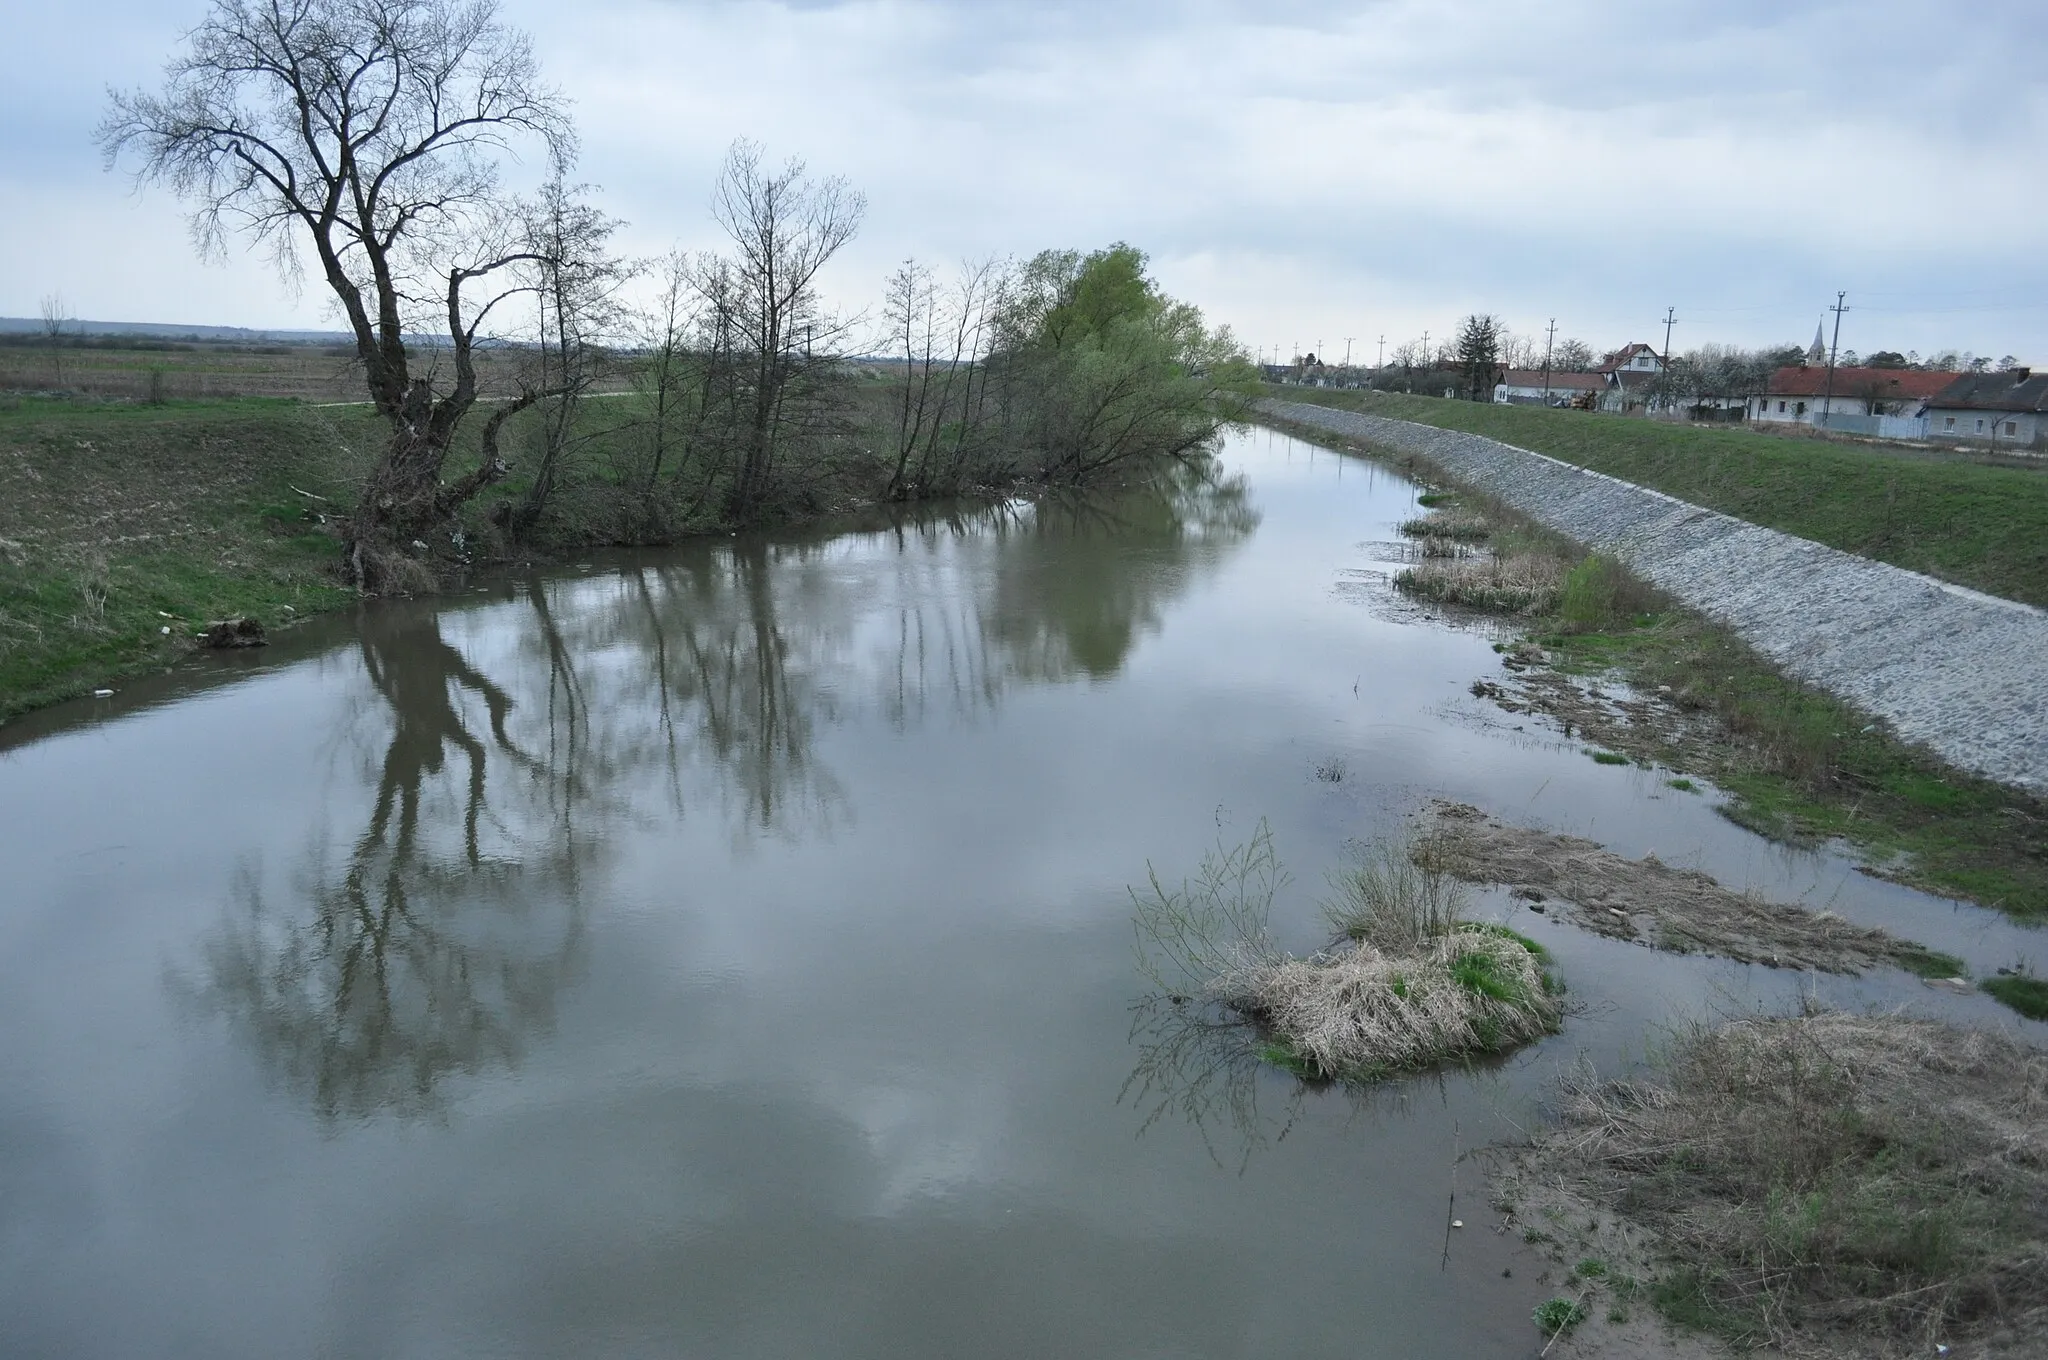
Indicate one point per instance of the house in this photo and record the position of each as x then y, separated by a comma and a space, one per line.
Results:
1631, 358
1633, 389
1630, 378
2008, 409
1880, 401
1532, 387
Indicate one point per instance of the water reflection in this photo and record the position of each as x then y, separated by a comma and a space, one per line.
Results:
1207, 1069
494, 770
438, 943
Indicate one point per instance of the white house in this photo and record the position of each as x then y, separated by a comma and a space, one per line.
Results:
2007, 409
1532, 387
1861, 400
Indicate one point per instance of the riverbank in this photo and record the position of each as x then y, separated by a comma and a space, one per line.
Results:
1796, 763
125, 528
1980, 526
1823, 1184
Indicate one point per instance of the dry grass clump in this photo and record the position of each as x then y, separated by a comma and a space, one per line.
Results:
1517, 583
1461, 525
1827, 1183
1680, 910
1359, 1014
1412, 986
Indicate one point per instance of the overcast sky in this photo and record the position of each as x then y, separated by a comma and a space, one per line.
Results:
1303, 172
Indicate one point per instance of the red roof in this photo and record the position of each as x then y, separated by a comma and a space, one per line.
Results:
1887, 384
1624, 354
1559, 381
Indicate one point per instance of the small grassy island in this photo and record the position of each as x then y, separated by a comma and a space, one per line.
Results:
1409, 983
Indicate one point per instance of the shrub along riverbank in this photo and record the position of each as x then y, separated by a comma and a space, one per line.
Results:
1980, 526
1798, 765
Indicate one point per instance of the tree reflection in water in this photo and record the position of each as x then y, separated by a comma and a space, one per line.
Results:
439, 946
1207, 1068
428, 953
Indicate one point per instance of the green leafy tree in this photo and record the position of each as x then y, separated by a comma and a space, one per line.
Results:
1100, 370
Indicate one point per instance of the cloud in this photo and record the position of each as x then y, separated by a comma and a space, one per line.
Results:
1375, 167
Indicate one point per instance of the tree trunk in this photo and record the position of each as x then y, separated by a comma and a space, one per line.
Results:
402, 522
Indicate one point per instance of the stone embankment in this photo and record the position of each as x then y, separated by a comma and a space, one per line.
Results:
1961, 672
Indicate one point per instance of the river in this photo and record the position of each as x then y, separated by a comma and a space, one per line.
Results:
728, 952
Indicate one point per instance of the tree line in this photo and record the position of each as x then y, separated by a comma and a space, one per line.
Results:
367, 140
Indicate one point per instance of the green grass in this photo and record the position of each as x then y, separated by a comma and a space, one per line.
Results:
1541, 953
1806, 767
1980, 526
1682, 785
2027, 995
1797, 764
1559, 1315
119, 520
1608, 758
1928, 963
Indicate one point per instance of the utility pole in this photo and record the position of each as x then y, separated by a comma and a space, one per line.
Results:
1548, 336
1347, 351
1664, 374
1383, 353
1827, 400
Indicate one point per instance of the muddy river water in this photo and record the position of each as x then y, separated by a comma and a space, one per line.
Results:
727, 952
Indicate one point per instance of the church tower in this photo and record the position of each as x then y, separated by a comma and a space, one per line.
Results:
1817, 352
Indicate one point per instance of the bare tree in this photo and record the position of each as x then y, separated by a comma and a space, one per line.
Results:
1571, 356
784, 227
942, 335
371, 131
54, 320
576, 282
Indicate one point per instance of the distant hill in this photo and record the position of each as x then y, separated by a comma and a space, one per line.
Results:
155, 330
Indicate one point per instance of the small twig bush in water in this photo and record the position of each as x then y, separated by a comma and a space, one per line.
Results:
1415, 987
1396, 898
1523, 583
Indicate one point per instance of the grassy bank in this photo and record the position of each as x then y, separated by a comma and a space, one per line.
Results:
1798, 764
1979, 526
1827, 1184
119, 522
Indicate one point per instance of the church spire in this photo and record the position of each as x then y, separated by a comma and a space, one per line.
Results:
1817, 353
